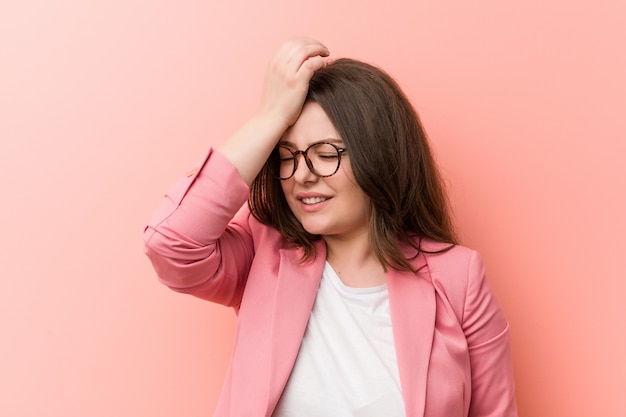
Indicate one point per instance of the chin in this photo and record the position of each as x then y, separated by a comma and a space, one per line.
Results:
315, 229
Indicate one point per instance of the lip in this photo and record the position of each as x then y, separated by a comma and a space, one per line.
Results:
308, 201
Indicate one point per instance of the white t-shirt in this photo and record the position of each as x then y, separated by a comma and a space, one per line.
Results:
347, 363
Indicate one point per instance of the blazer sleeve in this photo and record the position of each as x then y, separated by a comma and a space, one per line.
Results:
199, 240
487, 334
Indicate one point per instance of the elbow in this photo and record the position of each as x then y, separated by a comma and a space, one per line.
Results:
178, 264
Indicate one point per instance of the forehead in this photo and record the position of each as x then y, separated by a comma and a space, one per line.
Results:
313, 125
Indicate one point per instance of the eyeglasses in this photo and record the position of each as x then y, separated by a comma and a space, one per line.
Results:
322, 159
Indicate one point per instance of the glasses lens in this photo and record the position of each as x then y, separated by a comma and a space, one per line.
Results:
281, 162
325, 159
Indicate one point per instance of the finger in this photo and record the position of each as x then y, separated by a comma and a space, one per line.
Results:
293, 53
288, 50
305, 52
294, 44
308, 67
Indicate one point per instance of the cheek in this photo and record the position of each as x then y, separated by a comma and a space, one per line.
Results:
287, 187
348, 177
360, 199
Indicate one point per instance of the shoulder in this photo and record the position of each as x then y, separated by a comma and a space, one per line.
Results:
457, 273
267, 241
444, 259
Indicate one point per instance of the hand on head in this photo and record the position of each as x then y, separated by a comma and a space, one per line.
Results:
285, 89
288, 76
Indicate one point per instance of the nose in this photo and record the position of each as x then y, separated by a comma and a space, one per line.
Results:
303, 173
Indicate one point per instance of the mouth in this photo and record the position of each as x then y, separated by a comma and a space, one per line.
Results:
313, 200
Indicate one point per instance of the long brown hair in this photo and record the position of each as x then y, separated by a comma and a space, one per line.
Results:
390, 157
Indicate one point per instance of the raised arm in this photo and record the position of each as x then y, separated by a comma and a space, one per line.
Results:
194, 241
284, 92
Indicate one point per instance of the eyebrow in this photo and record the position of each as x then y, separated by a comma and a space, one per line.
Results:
327, 140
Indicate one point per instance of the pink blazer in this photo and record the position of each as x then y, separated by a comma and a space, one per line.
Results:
451, 337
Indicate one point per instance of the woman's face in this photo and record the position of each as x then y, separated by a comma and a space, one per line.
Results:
328, 206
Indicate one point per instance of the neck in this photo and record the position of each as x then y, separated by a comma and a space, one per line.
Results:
354, 261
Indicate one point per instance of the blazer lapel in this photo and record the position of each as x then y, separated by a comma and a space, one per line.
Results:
412, 306
296, 290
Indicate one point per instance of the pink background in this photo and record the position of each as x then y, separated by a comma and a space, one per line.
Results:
104, 103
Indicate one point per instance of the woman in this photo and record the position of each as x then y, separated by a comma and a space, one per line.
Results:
353, 298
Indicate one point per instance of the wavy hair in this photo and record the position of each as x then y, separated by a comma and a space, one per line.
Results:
391, 160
